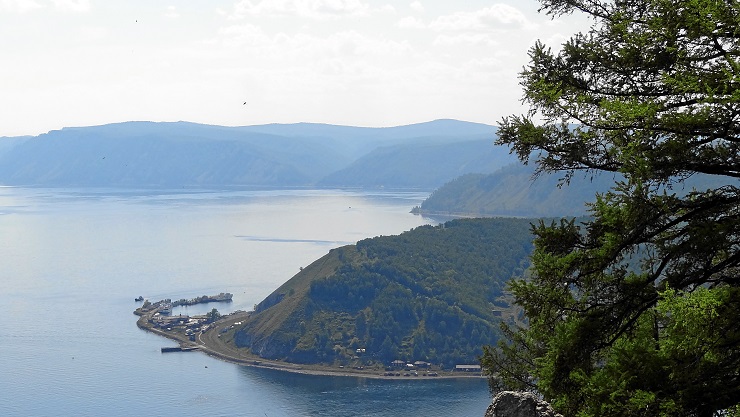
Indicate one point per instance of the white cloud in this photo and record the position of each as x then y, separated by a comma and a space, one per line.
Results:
240, 35
480, 39
302, 47
19, 6
301, 8
172, 13
496, 17
333, 61
24, 6
556, 41
387, 8
411, 22
92, 33
354, 43
338, 7
417, 6
72, 5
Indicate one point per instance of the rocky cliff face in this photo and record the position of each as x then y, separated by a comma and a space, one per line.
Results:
519, 404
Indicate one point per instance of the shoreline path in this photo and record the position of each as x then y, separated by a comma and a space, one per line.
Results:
212, 345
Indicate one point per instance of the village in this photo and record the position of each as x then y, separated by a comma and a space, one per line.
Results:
204, 333
158, 316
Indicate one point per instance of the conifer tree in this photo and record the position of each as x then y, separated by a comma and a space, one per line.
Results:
635, 311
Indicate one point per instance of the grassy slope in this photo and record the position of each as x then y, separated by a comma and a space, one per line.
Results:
292, 294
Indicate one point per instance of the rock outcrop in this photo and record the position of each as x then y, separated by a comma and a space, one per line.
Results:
519, 404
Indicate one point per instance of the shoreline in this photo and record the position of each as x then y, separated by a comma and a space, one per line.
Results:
210, 343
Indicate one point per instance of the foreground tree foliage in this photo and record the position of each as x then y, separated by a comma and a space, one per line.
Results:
637, 311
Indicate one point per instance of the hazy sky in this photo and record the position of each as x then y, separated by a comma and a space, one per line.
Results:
353, 62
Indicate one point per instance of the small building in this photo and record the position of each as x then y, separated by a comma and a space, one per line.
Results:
422, 364
398, 363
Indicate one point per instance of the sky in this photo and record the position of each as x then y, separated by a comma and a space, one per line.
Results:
69, 63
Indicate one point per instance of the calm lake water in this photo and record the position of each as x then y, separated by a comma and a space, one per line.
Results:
72, 262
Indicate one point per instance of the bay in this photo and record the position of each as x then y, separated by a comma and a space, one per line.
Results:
73, 260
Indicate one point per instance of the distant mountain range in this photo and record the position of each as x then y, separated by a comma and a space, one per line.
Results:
179, 154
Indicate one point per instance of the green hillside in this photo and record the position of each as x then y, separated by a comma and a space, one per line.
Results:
434, 294
511, 191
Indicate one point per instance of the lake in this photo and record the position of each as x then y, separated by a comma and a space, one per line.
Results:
73, 260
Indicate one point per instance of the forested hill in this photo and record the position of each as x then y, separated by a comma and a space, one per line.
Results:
512, 191
181, 154
433, 294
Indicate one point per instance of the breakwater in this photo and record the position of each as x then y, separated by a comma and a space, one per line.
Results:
221, 297
178, 349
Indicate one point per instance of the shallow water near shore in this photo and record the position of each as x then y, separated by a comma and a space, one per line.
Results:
72, 262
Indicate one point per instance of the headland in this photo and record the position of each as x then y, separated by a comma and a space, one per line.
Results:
213, 335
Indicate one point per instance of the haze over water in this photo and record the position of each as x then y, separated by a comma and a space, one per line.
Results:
72, 262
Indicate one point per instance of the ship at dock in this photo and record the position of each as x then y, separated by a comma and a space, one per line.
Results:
165, 307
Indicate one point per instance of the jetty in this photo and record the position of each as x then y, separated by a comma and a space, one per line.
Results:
221, 297
156, 317
179, 349
165, 306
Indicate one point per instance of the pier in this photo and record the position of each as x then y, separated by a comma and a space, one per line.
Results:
179, 349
